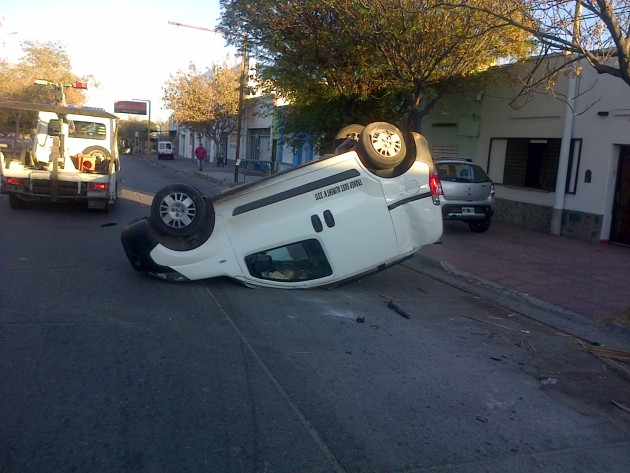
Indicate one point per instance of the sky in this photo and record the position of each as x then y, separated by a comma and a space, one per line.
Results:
127, 45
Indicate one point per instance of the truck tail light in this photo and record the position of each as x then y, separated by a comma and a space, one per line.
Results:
16, 181
80, 85
97, 186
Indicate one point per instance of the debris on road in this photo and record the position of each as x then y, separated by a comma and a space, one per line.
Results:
394, 307
547, 381
486, 322
621, 406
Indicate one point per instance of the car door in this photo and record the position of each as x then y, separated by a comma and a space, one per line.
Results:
333, 202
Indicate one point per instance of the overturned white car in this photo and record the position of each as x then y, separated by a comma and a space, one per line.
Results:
330, 220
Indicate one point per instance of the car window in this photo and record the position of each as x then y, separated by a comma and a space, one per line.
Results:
479, 175
461, 172
299, 261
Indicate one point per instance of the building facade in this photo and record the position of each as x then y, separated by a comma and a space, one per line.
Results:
517, 135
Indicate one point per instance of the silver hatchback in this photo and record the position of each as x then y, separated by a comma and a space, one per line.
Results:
467, 193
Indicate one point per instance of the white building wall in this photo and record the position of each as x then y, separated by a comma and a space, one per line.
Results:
541, 116
603, 134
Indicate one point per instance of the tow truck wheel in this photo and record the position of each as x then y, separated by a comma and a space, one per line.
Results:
16, 203
178, 210
381, 146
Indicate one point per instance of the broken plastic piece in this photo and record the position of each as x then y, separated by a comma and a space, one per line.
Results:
394, 307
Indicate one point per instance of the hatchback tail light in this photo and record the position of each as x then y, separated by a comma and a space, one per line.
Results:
492, 191
436, 187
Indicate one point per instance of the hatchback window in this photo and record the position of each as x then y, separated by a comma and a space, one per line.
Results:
461, 172
295, 262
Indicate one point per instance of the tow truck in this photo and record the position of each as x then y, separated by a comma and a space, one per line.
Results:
72, 155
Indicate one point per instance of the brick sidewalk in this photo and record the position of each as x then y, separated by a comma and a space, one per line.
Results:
590, 279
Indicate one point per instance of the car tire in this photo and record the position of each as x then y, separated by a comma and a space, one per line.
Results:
479, 226
347, 138
178, 210
381, 146
97, 152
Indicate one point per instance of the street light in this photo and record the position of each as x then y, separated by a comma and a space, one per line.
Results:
148, 127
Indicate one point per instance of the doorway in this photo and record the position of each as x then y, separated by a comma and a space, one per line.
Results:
620, 227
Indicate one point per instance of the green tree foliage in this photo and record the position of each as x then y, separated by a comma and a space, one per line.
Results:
127, 129
48, 61
205, 103
598, 30
342, 61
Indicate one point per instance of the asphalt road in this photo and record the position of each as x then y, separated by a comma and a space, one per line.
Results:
107, 370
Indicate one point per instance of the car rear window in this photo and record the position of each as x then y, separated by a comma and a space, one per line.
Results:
461, 172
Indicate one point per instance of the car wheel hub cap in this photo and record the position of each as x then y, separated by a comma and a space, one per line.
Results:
177, 210
385, 143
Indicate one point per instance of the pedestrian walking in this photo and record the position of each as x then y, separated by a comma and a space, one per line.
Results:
200, 153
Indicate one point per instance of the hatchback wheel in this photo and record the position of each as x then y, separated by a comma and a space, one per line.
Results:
178, 210
479, 226
347, 138
381, 146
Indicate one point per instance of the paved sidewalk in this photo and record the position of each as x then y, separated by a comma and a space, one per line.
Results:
591, 279
223, 176
581, 287
587, 281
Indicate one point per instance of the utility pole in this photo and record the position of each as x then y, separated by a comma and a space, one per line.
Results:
241, 92
567, 134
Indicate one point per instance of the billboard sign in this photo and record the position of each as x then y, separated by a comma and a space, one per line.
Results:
127, 106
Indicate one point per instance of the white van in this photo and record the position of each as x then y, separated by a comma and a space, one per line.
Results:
165, 150
329, 220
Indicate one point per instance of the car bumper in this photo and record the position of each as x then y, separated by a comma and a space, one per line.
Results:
138, 243
466, 212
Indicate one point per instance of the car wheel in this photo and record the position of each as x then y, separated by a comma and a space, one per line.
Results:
381, 146
178, 210
347, 138
97, 152
479, 226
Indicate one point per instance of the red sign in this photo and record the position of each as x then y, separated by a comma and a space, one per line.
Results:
138, 108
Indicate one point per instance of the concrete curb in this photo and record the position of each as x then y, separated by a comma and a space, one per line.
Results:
609, 334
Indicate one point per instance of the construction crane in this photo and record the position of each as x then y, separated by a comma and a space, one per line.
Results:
241, 90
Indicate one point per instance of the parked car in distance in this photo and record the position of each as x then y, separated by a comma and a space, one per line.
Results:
341, 217
467, 193
165, 150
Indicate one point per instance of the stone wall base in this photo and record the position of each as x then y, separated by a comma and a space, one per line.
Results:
580, 225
